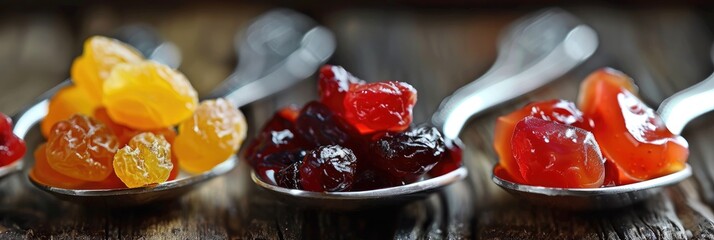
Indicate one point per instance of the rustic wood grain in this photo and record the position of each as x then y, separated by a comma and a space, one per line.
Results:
664, 49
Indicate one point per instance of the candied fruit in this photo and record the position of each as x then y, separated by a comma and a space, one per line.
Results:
328, 169
66, 102
82, 148
628, 131
148, 95
553, 154
557, 110
269, 167
289, 177
450, 162
12, 147
125, 134
145, 160
410, 153
277, 135
333, 84
43, 173
319, 126
380, 106
101, 54
112, 182
212, 135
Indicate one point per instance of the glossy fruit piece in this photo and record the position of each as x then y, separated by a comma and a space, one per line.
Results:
269, 167
125, 134
629, 132
66, 102
552, 154
593, 90
112, 182
100, 55
145, 160
320, 126
328, 169
557, 110
380, 106
450, 162
410, 153
12, 147
42, 172
277, 135
289, 176
212, 135
333, 84
148, 95
501, 172
81, 147
372, 178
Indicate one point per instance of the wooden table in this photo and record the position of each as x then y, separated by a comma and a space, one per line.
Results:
664, 49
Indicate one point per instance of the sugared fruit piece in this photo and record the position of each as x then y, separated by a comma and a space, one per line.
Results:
278, 135
43, 173
100, 55
553, 154
380, 106
125, 134
148, 95
66, 102
214, 133
82, 148
333, 84
12, 147
410, 153
319, 126
329, 168
145, 160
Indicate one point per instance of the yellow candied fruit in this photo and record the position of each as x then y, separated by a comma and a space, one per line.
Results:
148, 95
145, 160
213, 134
101, 54
66, 102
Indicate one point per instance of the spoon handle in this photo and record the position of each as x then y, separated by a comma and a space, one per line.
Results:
677, 110
517, 71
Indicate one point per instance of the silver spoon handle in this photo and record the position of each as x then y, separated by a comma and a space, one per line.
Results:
493, 89
677, 110
316, 47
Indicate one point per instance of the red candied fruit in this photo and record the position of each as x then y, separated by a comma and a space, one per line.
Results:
328, 169
289, 177
450, 162
12, 147
333, 84
553, 154
557, 110
631, 135
380, 106
278, 135
319, 126
410, 153
270, 167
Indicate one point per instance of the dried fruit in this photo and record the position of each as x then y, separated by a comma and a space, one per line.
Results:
82, 148
552, 110
43, 173
277, 135
410, 153
269, 167
101, 54
212, 135
333, 84
66, 102
450, 162
328, 169
630, 134
148, 95
319, 126
145, 160
553, 154
380, 106
289, 177
125, 134
112, 182
12, 147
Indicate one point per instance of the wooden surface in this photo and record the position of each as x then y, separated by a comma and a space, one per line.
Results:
664, 49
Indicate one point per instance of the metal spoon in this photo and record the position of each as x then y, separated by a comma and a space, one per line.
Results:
676, 111
313, 47
532, 52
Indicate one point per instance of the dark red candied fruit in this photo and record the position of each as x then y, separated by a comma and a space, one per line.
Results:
552, 154
380, 106
12, 147
372, 178
319, 126
277, 135
410, 153
289, 176
269, 167
450, 162
333, 83
328, 169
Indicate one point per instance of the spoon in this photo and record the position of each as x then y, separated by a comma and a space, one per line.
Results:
532, 52
675, 111
314, 47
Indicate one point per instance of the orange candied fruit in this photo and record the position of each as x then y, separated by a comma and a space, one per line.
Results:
125, 134
43, 173
213, 134
101, 54
82, 148
148, 95
630, 134
66, 102
145, 160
